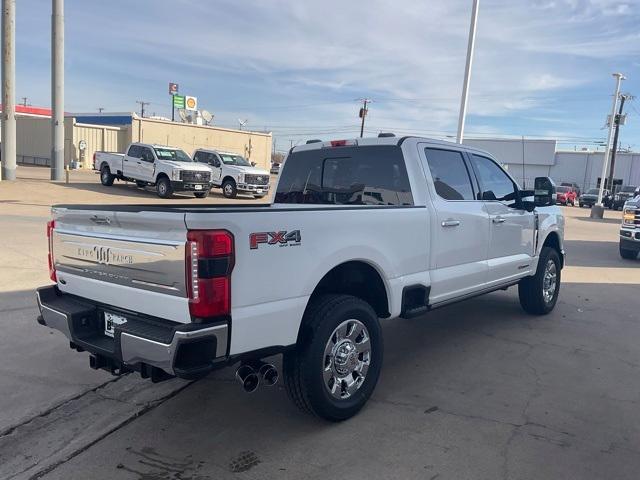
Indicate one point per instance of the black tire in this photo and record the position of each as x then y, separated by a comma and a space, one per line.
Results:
229, 189
531, 289
303, 367
204, 194
628, 254
140, 184
163, 188
106, 178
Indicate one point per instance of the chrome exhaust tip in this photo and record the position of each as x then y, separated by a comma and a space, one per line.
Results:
248, 378
269, 374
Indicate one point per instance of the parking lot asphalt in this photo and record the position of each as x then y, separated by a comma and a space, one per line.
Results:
477, 390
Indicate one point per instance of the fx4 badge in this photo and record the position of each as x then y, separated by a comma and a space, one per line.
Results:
282, 238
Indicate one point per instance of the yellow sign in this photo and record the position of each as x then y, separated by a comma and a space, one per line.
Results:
191, 103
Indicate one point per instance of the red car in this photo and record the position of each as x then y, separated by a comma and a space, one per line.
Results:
565, 196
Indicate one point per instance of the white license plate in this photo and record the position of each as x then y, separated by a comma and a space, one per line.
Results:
198, 187
110, 321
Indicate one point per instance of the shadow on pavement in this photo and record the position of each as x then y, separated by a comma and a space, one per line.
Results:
126, 189
587, 253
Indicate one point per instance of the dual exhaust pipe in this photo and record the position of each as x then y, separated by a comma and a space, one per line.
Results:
252, 375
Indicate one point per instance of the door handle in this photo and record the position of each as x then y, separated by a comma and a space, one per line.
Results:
498, 219
450, 223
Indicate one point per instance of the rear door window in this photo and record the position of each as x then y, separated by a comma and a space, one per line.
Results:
450, 175
134, 151
373, 175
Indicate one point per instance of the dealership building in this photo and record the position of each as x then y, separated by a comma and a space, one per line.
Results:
530, 158
84, 134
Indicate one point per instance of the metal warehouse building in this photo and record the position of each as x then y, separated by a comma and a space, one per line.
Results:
527, 159
113, 132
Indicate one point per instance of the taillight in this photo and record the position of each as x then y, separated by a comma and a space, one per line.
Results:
51, 224
209, 262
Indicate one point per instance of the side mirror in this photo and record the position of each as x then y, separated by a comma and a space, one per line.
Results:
544, 192
253, 164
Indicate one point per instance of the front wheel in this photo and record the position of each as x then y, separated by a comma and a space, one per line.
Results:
539, 294
336, 364
163, 188
229, 189
628, 254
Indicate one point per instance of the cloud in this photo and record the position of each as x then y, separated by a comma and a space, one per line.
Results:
309, 61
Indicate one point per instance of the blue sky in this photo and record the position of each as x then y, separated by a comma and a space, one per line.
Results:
542, 67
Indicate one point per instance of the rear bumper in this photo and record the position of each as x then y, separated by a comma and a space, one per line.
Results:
152, 346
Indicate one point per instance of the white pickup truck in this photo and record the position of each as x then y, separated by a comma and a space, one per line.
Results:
168, 169
359, 230
630, 228
233, 173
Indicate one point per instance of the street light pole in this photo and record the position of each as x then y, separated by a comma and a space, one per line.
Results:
597, 211
8, 171
57, 90
467, 71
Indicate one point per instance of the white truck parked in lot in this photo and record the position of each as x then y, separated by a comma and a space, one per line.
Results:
359, 230
168, 169
630, 228
233, 173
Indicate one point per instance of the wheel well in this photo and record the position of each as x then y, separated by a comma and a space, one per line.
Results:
104, 164
228, 178
162, 175
553, 241
358, 279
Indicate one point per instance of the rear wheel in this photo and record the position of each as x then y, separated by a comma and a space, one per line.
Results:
229, 189
628, 254
106, 178
163, 188
539, 294
336, 364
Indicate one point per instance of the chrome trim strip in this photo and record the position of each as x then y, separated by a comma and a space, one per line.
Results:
136, 349
53, 318
111, 236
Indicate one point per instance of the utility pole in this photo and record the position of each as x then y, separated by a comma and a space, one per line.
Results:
467, 71
24, 101
617, 120
8, 171
597, 211
142, 105
57, 90
100, 110
363, 113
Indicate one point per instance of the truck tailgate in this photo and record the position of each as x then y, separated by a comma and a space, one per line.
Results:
132, 260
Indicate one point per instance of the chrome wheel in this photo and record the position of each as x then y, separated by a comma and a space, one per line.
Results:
347, 356
549, 281
162, 188
228, 189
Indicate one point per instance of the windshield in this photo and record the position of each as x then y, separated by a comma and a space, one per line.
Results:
628, 189
239, 160
593, 191
172, 154
563, 189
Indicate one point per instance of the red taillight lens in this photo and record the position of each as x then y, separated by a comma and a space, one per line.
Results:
338, 143
51, 225
209, 261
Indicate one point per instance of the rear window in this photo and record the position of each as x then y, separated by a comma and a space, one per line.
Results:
346, 176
